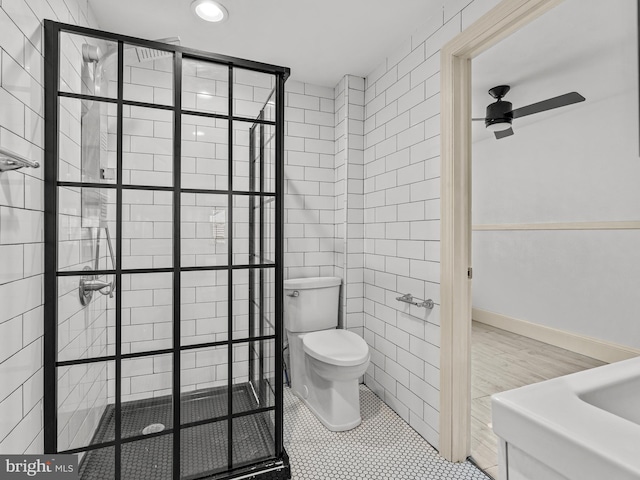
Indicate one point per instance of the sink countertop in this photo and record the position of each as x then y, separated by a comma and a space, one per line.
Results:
551, 422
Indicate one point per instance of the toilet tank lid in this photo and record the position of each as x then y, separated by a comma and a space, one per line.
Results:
336, 347
311, 282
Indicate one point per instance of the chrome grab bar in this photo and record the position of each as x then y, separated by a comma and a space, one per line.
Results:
410, 299
295, 293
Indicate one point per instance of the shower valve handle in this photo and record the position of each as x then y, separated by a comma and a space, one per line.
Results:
93, 285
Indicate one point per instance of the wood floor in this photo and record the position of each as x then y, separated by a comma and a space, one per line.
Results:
502, 361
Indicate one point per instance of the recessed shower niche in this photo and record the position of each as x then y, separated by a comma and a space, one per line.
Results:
163, 259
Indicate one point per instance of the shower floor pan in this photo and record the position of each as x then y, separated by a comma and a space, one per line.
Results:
203, 449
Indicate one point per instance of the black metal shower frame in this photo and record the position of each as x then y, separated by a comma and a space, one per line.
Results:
277, 467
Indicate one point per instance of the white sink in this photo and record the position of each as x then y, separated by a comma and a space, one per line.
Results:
584, 426
621, 399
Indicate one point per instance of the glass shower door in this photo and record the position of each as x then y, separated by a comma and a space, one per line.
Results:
163, 259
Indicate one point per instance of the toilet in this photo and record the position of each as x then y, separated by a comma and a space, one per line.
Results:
325, 363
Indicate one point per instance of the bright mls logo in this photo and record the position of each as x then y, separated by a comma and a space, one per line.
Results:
50, 467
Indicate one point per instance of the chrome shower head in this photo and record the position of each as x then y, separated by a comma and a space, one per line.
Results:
147, 54
90, 53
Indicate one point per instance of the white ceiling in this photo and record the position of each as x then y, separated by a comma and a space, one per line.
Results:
570, 48
320, 40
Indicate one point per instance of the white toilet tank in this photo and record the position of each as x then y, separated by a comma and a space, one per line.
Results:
314, 306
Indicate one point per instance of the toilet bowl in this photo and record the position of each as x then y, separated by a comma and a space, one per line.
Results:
325, 363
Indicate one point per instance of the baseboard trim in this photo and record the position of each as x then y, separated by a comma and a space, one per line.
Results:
591, 347
608, 225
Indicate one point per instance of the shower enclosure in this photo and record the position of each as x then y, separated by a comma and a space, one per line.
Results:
163, 259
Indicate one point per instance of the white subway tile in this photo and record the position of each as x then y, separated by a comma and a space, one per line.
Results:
24, 18
318, 146
12, 113
10, 337
23, 435
18, 368
430, 148
33, 193
20, 296
432, 334
374, 106
303, 101
425, 110
428, 431
380, 70
326, 105
11, 259
411, 136
312, 117
385, 380
10, 412
387, 113
396, 370
410, 399
426, 392
411, 211
448, 31
425, 70
32, 325
17, 81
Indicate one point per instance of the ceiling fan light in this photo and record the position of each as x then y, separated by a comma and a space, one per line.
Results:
499, 125
209, 10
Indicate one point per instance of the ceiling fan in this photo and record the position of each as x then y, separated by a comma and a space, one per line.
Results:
500, 114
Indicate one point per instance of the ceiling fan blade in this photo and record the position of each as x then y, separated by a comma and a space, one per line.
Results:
504, 133
549, 104
478, 119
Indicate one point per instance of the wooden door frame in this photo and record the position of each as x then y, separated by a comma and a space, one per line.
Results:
455, 237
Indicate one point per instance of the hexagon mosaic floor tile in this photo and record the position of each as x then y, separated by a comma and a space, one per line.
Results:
383, 447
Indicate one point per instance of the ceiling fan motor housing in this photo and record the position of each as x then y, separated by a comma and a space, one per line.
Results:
499, 112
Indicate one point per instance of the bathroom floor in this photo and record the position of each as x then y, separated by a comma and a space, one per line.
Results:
502, 361
204, 447
382, 447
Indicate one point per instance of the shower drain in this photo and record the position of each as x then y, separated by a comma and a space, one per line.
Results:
153, 428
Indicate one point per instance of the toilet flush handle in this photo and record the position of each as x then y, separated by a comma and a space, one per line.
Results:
295, 293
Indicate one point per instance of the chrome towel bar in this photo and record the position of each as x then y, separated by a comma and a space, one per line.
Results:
11, 161
408, 298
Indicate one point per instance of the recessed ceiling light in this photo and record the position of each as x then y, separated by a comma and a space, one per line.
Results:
209, 10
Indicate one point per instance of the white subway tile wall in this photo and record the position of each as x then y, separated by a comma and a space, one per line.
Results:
309, 181
21, 247
401, 218
349, 199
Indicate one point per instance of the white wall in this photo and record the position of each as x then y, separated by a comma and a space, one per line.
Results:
578, 164
401, 217
22, 218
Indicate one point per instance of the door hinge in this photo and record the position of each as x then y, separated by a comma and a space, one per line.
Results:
470, 273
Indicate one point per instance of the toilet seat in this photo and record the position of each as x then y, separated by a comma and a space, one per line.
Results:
336, 347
